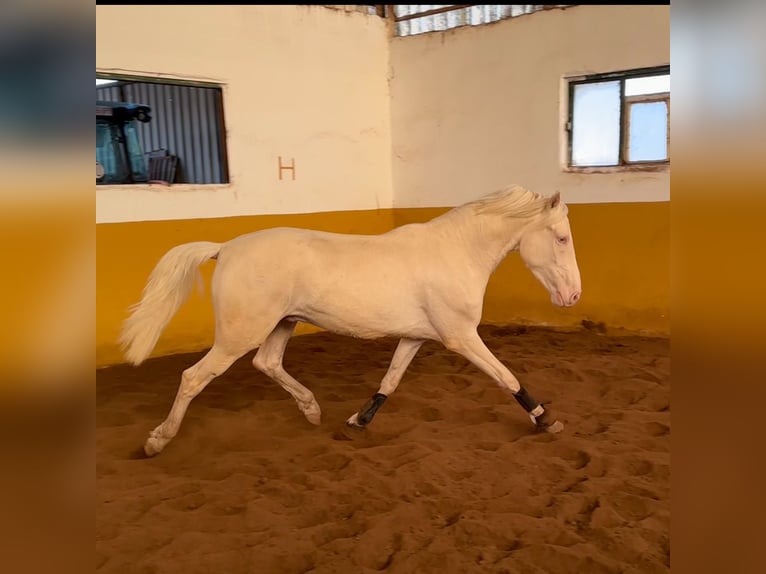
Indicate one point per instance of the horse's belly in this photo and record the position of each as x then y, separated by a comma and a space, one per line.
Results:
363, 297
366, 323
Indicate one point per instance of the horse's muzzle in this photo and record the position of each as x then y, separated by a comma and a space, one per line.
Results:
566, 299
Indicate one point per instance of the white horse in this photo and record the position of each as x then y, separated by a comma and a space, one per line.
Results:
418, 282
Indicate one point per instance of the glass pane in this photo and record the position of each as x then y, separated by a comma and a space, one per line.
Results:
648, 131
110, 167
647, 85
137, 160
596, 124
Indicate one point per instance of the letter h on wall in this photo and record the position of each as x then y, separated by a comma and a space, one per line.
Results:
283, 167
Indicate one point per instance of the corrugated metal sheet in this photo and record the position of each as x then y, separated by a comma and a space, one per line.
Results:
186, 120
108, 93
471, 16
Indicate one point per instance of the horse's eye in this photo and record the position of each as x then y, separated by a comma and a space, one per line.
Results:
562, 240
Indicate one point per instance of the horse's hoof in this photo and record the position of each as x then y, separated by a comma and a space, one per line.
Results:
544, 423
153, 446
554, 427
353, 422
313, 414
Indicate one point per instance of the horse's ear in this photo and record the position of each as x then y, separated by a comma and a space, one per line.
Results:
554, 200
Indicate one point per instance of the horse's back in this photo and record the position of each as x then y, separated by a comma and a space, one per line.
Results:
294, 258
290, 245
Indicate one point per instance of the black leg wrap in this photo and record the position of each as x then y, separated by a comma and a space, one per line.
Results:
525, 400
369, 409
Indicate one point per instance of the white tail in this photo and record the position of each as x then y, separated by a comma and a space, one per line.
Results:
169, 285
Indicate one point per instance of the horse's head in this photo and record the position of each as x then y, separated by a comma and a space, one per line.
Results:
547, 249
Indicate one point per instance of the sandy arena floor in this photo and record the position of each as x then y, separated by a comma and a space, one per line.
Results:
450, 477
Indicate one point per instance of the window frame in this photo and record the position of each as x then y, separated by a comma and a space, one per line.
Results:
625, 102
120, 78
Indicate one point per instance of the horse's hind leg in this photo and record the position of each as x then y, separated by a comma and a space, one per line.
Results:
268, 360
193, 380
403, 356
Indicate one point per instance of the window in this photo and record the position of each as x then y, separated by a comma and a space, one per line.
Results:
153, 131
620, 119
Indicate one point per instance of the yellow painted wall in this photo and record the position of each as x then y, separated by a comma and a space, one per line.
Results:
623, 252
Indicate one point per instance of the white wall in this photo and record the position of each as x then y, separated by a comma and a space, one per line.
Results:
462, 113
477, 108
303, 82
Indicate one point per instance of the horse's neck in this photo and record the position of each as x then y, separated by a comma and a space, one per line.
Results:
486, 239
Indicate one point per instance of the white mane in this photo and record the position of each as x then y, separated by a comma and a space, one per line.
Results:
513, 201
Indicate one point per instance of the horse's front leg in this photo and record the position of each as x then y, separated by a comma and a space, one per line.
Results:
403, 356
473, 348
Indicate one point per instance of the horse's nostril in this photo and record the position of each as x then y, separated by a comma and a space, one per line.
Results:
575, 297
